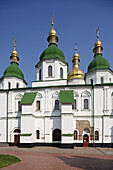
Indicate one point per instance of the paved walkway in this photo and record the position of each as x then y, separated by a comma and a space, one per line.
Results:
51, 158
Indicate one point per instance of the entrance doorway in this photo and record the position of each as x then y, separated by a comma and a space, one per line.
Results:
57, 135
16, 140
85, 140
16, 137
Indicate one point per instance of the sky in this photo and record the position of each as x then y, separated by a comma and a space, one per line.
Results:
29, 21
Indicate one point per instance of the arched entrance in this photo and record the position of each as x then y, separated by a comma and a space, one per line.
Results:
57, 135
85, 140
16, 137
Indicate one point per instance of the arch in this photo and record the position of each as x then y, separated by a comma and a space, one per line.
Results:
40, 76
17, 85
50, 71
37, 134
57, 135
37, 105
96, 135
86, 94
74, 105
56, 104
61, 73
86, 104
55, 95
102, 80
75, 134
76, 94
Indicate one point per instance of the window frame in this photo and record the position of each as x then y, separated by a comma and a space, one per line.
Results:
74, 105
86, 104
61, 72
38, 105
37, 134
97, 135
56, 105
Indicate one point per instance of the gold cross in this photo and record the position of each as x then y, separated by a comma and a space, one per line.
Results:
97, 31
75, 46
14, 43
52, 21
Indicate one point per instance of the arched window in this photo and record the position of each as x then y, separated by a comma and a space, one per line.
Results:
19, 107
110, 80
37, 134
40, 74
74, 105
75, 135
50, 71
61, 73
17, 85
57, 135
9, 85
96, 135
86, 104
56, 104
38, 105
102, 80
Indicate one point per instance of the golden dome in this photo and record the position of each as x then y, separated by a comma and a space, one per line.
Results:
14, 53
52, 32
52, 38
76, 73
98, 43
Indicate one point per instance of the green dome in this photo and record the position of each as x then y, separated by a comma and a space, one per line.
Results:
13, 70
98, 63
52, 52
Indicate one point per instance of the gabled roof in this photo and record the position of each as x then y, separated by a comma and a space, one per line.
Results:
28, 98
66, 96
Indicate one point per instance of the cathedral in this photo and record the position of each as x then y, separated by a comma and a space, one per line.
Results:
59, 109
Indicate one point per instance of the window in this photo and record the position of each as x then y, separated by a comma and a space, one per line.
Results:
75, 135
50, 71
9, 85
40, 74
86, 104
56, 104
57, 135
110, 80
61, 73
37, 134
19, 107
74, 105
38, 105
17, 85
96, 135
91, 81
102, 80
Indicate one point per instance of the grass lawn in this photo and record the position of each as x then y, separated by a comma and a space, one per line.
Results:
6, 160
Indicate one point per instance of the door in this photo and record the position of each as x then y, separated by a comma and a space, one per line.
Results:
16, 140
85, 140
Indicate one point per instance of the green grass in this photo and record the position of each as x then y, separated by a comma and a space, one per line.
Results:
6, 160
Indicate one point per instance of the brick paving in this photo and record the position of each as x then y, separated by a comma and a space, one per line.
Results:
51, 158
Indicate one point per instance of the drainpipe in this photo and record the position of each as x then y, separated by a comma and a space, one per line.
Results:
93, 120
7, 119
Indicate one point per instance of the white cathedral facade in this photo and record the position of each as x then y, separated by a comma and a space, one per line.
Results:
59, 109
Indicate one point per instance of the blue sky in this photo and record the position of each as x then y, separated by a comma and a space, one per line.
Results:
74, 20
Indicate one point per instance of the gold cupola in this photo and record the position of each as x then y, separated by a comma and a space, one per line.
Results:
52, 38
97, 47
14, 55
76, 73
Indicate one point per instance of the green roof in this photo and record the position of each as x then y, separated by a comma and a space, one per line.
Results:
66, 96
52, 52
14, 70
98, 63
28, 98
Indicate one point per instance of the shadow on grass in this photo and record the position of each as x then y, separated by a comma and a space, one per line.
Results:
87, 163
6, 160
